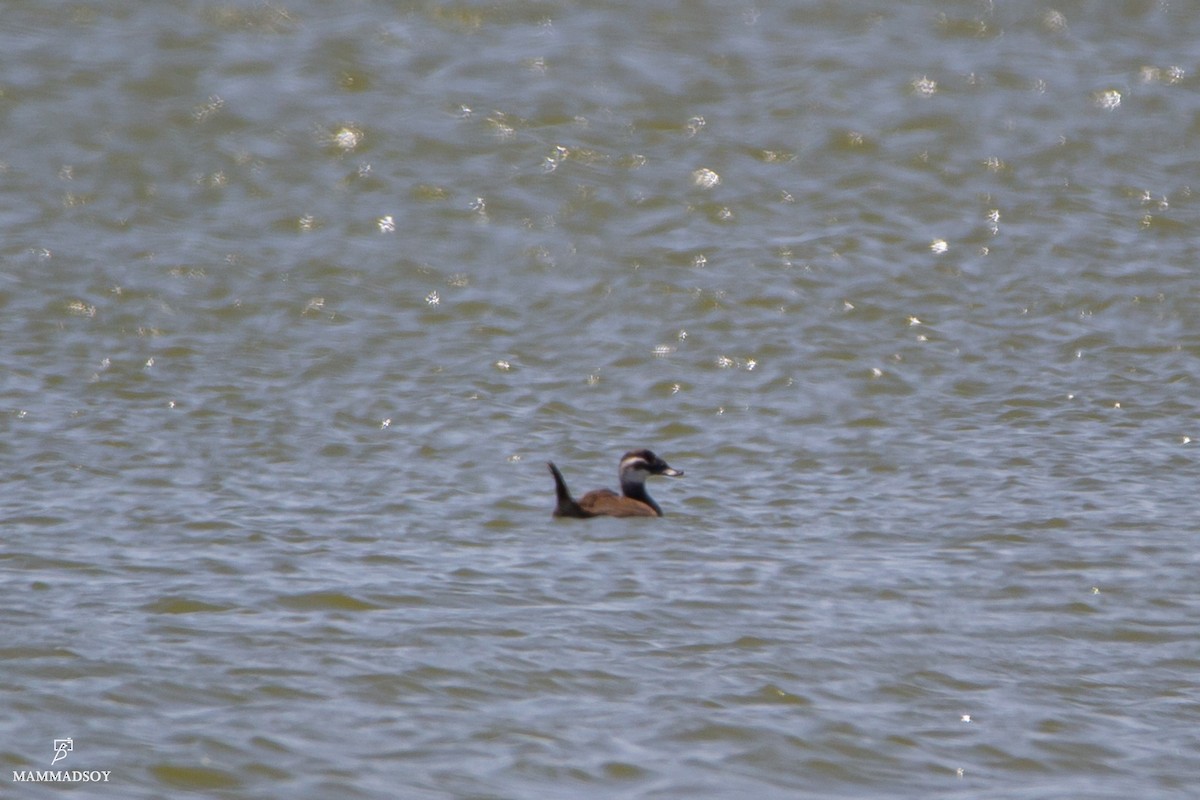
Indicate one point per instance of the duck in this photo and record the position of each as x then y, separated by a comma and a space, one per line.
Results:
635, 467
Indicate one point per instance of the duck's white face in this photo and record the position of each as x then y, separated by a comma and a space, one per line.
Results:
634, 469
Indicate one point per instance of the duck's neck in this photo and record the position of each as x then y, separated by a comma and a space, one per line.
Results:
636, 490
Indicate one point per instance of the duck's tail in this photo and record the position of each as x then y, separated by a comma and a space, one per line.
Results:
566, 506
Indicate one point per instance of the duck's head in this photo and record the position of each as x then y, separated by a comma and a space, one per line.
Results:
637, 465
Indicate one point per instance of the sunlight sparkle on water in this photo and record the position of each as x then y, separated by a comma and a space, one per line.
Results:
499, 125
1108, 100
206, 109
80, 308
924, 87
1169, 75
705, 178
347, 138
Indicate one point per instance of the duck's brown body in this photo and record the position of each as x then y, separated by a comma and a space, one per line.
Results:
634, 501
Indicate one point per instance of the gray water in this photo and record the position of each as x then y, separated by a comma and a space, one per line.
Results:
297, 299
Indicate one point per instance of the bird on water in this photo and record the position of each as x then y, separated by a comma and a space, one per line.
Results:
636, 466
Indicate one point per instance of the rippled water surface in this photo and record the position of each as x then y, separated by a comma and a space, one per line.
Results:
297, 299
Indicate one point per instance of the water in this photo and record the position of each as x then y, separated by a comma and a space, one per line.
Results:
296, 300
